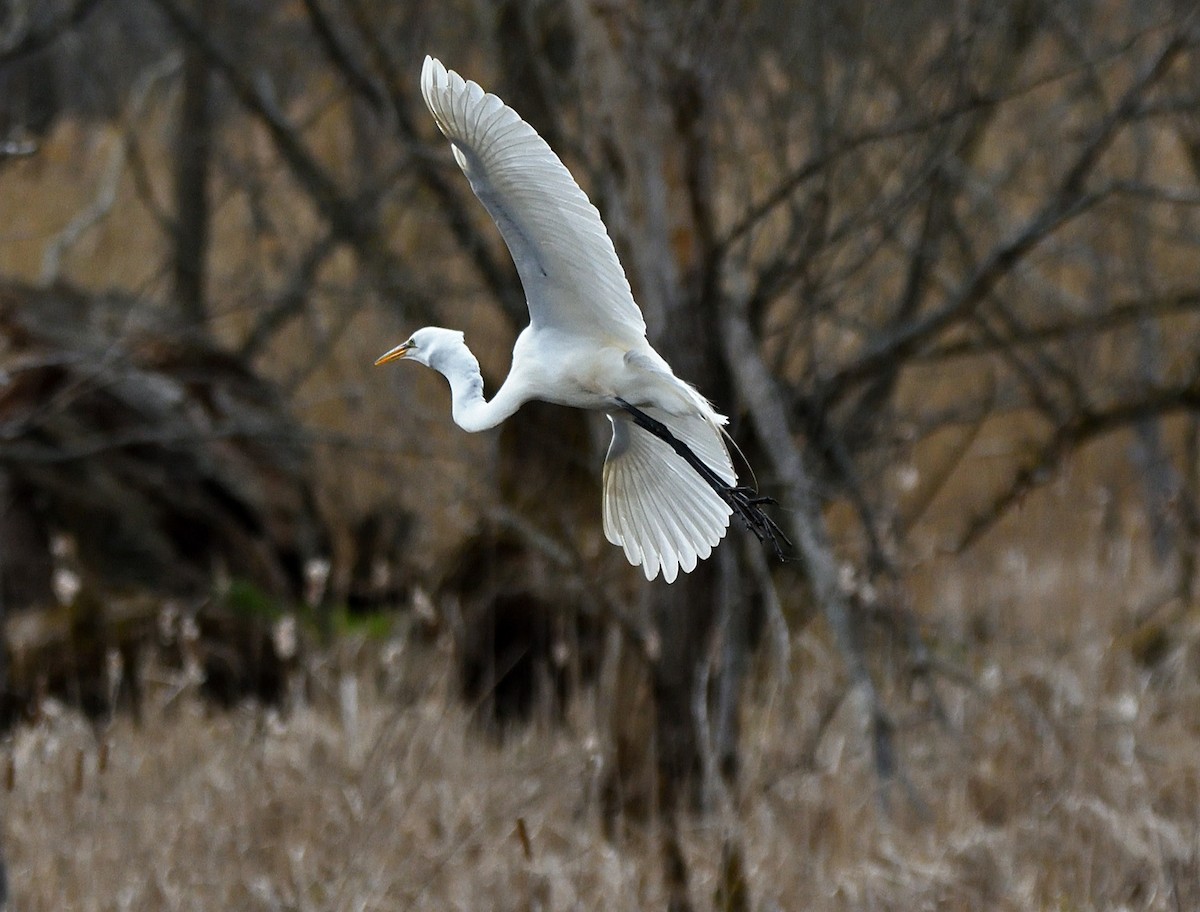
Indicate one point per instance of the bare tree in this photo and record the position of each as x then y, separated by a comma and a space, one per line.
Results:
863, 232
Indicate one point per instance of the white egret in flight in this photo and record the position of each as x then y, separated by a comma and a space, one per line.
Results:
669, 484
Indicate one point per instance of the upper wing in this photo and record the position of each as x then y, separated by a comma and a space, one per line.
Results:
572, 277
656, 506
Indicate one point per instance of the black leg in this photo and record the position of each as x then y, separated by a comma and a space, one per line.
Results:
744, 501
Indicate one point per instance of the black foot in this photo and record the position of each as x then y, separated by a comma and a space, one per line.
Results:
747, 504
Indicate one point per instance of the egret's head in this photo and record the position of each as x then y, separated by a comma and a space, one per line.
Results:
431, 346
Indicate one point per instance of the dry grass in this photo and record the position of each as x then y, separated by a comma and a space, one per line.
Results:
1063, 777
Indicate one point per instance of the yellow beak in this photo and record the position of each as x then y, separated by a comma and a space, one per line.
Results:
394, 355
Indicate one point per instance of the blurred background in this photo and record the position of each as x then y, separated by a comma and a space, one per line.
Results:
279, 636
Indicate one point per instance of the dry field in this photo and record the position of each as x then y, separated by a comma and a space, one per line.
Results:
1063, 776
1053, 764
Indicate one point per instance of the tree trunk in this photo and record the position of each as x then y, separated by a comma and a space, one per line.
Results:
191, 181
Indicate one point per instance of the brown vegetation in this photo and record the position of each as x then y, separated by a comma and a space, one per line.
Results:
939, 266
159, 457
1061, 775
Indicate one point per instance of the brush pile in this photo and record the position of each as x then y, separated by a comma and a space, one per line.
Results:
135, 458
159, 457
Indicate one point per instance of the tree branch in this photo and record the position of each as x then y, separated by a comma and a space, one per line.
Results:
35, 40
352, 219
765, 404
1115, 317
1068, 437
1069, 200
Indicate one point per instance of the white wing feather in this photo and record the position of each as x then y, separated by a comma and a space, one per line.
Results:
564, 256
656, 506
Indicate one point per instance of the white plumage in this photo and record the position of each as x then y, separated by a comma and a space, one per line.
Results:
655, 505
585, 345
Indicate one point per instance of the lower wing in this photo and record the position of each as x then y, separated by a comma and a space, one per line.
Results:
656, 506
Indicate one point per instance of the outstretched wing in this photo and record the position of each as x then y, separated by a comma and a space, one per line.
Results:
656, 506
573, 280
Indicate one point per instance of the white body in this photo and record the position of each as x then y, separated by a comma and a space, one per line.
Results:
585, 345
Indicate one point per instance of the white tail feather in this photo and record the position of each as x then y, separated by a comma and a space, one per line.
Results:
656, 506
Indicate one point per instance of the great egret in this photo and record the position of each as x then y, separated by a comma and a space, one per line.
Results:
669, 484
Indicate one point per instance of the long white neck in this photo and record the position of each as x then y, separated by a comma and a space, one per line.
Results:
470, 410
